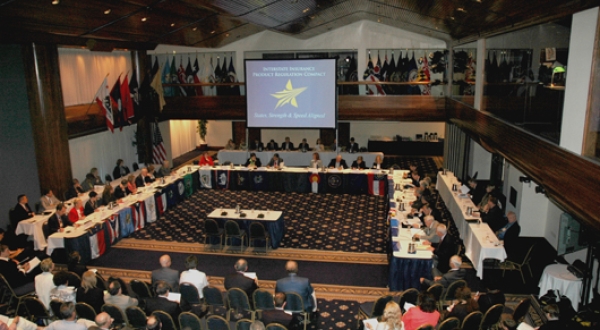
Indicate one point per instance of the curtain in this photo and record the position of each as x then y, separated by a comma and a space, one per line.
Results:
456, 151
184, 137
82, 72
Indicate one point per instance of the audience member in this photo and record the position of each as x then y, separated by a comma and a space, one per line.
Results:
89, 293
76, 212
22, 210
69, 319
257, 325
287, 145
424, 313
240, 280
131, 185
553, 315
74, 264
17, 323
303, 146
166, 273
116, 297
121, 190
161, 301
206, 160
153, 323
230, 145
142, 179
278, 315
415, 178
476, 191
352, 146
120, 170
48, 200
319, 146
391, 318
463, 305
455, 273
443, 250
359, 163
257, 145
492, 214
490, 297
97, 179
297, 284
88, 182
92, 204
253, 161
59, 220
108, 195
275, 162
338, 163
414, 167
489, 191
272, 146
44, 282
427, 209
164, 170
104, 321
378, 164
242, 145
429, 230
15, 275
74, 190
194, 276
62, 292
316, 162
333, 146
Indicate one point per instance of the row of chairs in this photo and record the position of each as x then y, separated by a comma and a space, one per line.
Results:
232, 230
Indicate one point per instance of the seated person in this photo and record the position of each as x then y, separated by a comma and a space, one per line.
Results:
492, 214
416, 178
59, 220
116, 297
316, 162
414, 166
303, 146
74, 190
352, 146
230, 145
272, 146
143, 179
166, 273
430, 231
297, 284
277, 315
88, 183
206, 160
257, 145
131, 185
74, 264
319, 146
121, 190
22, 210
68, 319
48, 200
391, 318
62, 292
97, 179
359, 164
15, 275
476, 191
44, 282
240, 280
193, 275
120, 170
77, 212
424, 313
378, 164
454, 274
92, 204
489, 191
275, 162
164, 170
443, 251
287, 145
333, 146
253, 161
463, 305
242, 145
108, 195
151, 176
89, 293
338, 163
161, 301
510, 234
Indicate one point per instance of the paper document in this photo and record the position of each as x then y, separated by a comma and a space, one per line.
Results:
33, 263
251, 275
174, 296
370, 324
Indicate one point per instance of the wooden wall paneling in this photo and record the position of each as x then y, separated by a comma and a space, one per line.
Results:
254, 134
327, 135
343, 134
42, 75
238, 129
570, 180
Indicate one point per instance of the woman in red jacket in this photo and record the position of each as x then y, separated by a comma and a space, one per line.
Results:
76, 212
206, 160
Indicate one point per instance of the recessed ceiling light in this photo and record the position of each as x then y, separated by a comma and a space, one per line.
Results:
461, 9
106, 12
227, 34
212, 32
194, 29
55, 2
306, 10
172, 24
144, 19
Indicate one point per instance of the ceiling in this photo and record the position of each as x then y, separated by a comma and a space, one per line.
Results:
143, 24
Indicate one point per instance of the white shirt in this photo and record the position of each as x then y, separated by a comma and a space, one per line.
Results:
43, 285
196, 277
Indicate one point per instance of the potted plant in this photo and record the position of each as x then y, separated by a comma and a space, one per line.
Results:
201, 129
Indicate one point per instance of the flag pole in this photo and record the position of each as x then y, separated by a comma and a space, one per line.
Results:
94, 98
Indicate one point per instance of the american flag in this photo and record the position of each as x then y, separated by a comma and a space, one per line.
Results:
159, 154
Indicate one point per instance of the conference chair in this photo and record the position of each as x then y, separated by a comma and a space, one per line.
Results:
189, 296
116, 314
74, 280
295, 304
472, 321
189, 320
100, 282
436, 290
36, 309
426, 327
136, 316
85, 311
166, 320
408, 296
140, 288
216, 322
518, 263
450, 323
491, 317
275, 326
372, 309
238, 301
243, 324
258, 232
213, 297
108, 178
55, 308
135, 166
211, 229
449, 295
18, 293
232, 230
263, 300
521, 310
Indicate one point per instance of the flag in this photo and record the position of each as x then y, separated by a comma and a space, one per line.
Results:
134, 89
217, 77
182, 79
113, 228
372, 74
126, 222
377, 184
115, 95
196, 70
166, 79
104, 102
155, 67
232, 77
189, 76
205, 178
174, 79
208, 78
413, 75
424, 75
126, 101
223, 79
159, 154
392, 76
156, 84
222, 179
351, 75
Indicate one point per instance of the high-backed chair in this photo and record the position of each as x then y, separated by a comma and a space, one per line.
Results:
136, 317
167, 321
216, 322
211, 229
190, 320
295, 304
450, 293
116, 314
232, 230
263, 300
238, 301
409, 296
213, 297
18, 293
472, 321
189, 296
517, 263
243, 324
258, 232
140, 288
275, 326
491, 317
85, 311
450, 323
521, 310
372, 309
36, 309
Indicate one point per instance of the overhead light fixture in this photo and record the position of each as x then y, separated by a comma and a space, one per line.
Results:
144, 19
461, 9
106, 12
194, 29
306, 10
227, 34
55, 2
172, 24
212, 32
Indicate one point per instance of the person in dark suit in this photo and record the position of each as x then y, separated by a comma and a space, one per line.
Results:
120, 170
121, 190
89, 293
14, 275
287, 145
253, 161
414, 166
297, 284
477, 191
303, 146
161, 303
277, 315
493, 215
443, 250
352, 146
275, 162
272, 146
166, 273
338, 162
359, 163
455, 273
510, 234
22, 210
74, 190
427, 209
92, 204
240, 280
257, 145
59, 220
74, 264
140, 180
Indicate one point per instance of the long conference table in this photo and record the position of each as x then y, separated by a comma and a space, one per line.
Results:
294, 158
479, 239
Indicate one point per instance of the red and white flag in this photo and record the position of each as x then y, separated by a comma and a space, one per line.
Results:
159, 154
104, 101
377, 184
126, 101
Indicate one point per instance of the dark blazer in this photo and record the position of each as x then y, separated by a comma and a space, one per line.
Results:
272, 146
277, 316
21, 213
299, 285
93, 297
120, 193
489, 299
352, 147
73, 192
168, 275
287, 146
444, 251
54, 223
342, 163
90, 207
254, 146
238, 280
117, 172
140, 181
77, 268
362, 165
449, 277
15, 278
512, 233
162, 304
272, 162
494, 218
511, 242
257, 162
303, 145
478, 193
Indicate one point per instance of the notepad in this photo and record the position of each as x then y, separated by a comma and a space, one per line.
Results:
174, 296
251, 275
33, 263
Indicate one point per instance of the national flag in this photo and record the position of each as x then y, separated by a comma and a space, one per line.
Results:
187, 180
126, 101
97, 243
134, 89
222, 179
372, 74
159, 154
126, 222
223, 79
161, 203
377, 184
208, 77
234, 89
174, 79
104, 102
138, 210
196, 77
217, 77
413, 75
113, 228
392, 76
424, 75
182, 78
157, 86
115, 95
189, 79
166, 79
351, 75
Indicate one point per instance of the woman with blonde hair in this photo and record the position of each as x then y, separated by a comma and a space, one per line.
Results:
89, 293
391, 318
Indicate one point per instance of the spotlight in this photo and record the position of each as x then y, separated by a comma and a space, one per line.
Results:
525, 179
55, 2
540, 190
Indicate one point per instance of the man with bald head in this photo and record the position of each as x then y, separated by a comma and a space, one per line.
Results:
297, 284
240, 279
165, 273
338, 163
454, 274
104, 321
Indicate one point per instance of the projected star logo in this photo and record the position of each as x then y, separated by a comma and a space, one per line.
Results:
288, 95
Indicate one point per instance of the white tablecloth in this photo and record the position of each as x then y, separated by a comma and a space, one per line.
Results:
557, 277
295, 158
480, 241
404, 238
250, 214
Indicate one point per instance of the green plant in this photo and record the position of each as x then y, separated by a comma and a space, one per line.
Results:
201, 128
